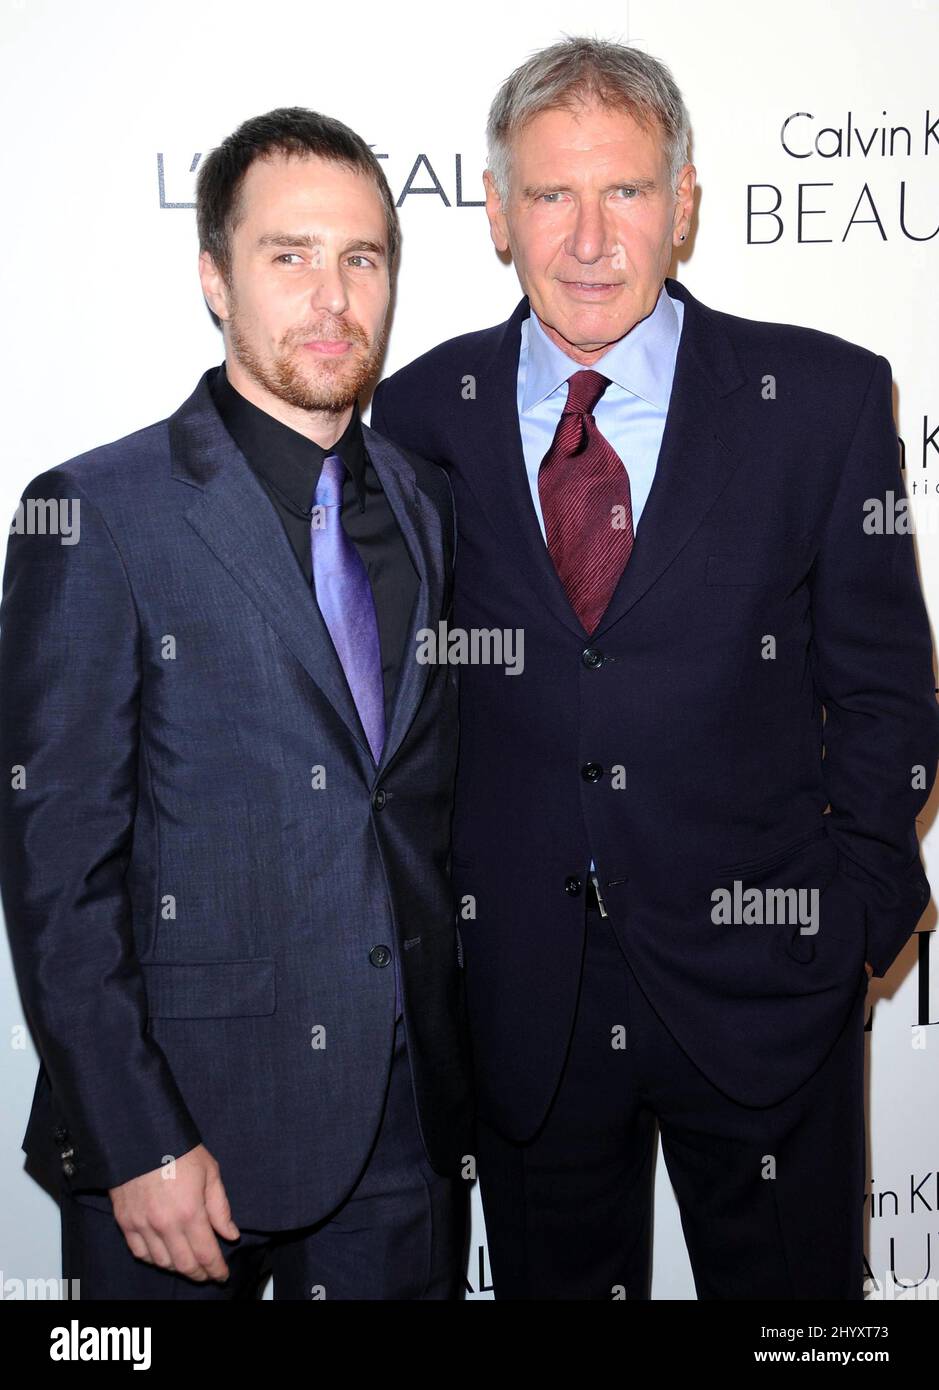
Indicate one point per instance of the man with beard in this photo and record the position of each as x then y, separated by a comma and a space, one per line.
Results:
223, 861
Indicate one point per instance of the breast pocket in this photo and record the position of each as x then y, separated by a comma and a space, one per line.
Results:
752, 570
783, 556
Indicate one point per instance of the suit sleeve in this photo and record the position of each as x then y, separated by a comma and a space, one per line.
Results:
70, 691
873, 670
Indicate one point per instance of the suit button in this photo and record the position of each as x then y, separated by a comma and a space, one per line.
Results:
380, 955
67, 1153
69, 1169
591, 772
60, 1134
572, 886
591, 658
379, 799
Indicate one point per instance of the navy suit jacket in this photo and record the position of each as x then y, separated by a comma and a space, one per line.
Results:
204, 856
753, 598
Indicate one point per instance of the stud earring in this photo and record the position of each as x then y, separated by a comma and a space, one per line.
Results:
682, 237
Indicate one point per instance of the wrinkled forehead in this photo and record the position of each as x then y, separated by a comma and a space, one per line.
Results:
580, 136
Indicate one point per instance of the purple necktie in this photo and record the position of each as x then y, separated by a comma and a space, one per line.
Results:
345, 600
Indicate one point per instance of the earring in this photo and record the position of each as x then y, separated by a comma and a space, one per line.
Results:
682, 237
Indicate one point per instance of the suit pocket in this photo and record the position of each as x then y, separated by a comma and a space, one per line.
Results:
801, 892
751, 570
755, 867
210, 989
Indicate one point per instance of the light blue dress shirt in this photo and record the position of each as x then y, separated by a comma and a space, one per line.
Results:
630, 413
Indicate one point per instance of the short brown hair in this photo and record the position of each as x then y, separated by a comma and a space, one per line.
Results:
290, 130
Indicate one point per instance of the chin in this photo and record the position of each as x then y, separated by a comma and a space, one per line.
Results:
595, 327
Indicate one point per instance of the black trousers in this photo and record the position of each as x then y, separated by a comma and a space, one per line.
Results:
771, 1200
399, 1235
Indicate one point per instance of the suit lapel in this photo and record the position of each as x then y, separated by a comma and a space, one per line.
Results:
702, 443
233, 516
498, 477
419, 522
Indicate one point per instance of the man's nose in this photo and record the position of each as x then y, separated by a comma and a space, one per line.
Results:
328, 290
588, 240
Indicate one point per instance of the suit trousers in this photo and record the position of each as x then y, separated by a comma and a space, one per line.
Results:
399, 1235
771, 1199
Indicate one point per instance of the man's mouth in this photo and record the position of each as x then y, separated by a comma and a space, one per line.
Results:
328, 347
596, 287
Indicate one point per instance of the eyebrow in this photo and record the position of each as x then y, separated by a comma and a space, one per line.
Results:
298, 239
535, 190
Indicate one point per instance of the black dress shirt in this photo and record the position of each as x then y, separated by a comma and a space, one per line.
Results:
287, 465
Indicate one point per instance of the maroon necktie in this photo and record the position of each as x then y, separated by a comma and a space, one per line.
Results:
586, 504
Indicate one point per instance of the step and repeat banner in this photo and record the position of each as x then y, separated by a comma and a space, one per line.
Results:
816, 143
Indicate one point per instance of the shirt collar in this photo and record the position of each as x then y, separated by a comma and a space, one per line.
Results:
286, 459
641, 362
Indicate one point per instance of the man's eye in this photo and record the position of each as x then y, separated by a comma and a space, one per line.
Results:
628, 188
363, 259
549, 197
287, 255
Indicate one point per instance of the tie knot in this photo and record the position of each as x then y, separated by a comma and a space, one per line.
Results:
584, 389
329, 488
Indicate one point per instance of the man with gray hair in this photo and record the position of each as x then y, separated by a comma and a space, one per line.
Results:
727, 699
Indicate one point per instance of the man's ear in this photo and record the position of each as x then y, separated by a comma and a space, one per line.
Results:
498, 227
213, 286
684, 203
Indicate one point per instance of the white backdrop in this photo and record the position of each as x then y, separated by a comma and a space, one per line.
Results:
106, 108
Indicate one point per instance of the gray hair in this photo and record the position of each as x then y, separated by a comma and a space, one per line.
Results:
578, 70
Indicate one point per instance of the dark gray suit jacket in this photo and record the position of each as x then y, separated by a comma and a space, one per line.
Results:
204, 858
